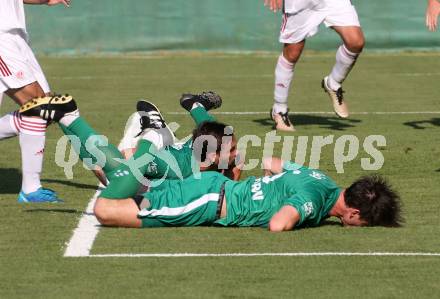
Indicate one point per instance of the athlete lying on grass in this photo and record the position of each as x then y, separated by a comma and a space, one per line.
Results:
296, 197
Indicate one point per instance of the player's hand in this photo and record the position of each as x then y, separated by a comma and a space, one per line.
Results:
274, 5
432, 13
56, 2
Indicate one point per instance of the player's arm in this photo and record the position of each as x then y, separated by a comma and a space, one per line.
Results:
285, 219
48, 2
432, 13
274, 5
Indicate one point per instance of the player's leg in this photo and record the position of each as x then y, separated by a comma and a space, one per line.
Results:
21, 81
117, 213
344, 20
284, 72
31, 131
295, 29
198, 105
346, 55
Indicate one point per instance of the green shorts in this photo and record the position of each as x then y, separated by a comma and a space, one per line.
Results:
191, 202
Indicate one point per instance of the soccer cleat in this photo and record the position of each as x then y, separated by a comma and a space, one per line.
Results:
40, 196
209, 100
282, 121
50, 108
337, 97
151, 118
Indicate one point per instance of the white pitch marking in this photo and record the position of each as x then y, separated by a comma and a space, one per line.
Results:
84, 235
314, 112
171, 255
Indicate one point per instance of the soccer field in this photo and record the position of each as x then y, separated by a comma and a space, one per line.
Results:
391, 94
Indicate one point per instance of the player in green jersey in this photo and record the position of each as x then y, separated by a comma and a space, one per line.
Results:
296, 197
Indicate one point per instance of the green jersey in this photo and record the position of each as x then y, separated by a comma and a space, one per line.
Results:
254, 201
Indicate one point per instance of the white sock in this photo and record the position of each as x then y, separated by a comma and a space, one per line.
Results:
69, 118
344, 63
154, 137
283, 78
9, 125
32, 137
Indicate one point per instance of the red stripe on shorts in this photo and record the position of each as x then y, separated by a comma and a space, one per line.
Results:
5, 70
284, 22
16, 120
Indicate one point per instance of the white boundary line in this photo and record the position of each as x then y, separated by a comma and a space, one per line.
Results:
314, 112
297, 254
84, 235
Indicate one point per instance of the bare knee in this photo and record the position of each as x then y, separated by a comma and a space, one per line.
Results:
117, 212
104, 211
292, 52
356, 45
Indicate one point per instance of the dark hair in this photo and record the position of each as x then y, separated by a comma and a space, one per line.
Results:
377, 203
209, 130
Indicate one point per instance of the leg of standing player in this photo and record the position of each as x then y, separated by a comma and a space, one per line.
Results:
295, 29
22, 79
284, 72
343, 19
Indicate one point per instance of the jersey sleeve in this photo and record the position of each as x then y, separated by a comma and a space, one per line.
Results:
307, 204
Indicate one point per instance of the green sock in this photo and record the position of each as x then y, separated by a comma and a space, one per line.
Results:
200, 115
144, 146
127, 177
79, 149
83, 131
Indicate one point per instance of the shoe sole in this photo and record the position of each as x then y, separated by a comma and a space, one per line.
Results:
155, 107
183, 99
54, 100
331, 99
215, 104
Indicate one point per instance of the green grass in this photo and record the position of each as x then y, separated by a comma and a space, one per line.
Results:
32, 237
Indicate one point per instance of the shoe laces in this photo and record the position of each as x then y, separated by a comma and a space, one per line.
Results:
285, 118
152, 121
340, 95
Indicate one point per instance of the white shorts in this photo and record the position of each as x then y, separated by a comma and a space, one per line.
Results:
297, 27
18, 65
